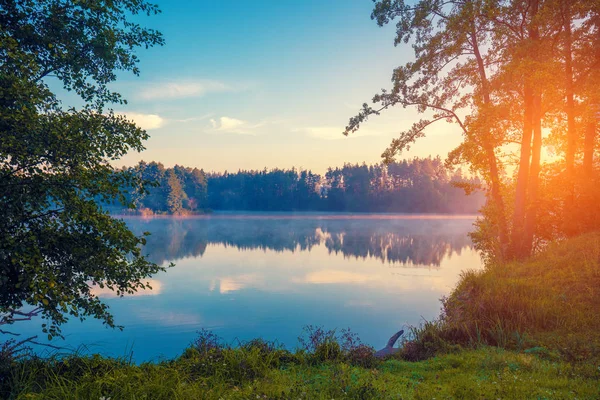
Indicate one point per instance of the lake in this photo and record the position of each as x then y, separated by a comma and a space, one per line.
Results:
267, 275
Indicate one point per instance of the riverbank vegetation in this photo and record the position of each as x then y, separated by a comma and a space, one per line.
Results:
483, 373
547, 304
519, 330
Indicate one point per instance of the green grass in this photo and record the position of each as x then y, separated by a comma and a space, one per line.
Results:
550, 302
523, 330
483, 373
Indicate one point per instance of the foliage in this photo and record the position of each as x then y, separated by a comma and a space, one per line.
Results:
175, 190
55, 240
483, 373
549, 302
176, 194
206, 342
427, 340
504, 71
418, 185
320, 344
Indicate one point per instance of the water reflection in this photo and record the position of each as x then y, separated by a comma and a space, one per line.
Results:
106, 293
269, 275
414, 242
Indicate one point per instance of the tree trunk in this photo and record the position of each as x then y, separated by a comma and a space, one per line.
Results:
498, 201
520, 243
518, 231
534, 177
490, 153
588, 150
569, 221
588, 199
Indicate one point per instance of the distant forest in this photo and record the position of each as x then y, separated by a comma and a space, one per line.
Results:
420, 185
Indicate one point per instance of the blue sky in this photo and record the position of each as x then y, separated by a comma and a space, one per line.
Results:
253, 84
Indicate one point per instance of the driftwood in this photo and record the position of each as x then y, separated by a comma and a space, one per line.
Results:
389, 349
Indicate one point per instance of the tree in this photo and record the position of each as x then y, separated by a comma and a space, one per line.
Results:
194, 183
154, 197
502, 70
176, 194
56, 242
449, 79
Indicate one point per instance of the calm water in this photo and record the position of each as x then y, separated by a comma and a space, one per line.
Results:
268, 275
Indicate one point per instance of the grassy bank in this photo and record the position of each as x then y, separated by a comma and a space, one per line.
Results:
520, 330
551, 302
483, 373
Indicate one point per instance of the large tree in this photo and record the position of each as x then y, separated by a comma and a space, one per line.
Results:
450, 80
56, 242
503, 70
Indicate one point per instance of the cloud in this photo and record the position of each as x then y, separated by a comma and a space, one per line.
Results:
182, 89
153, 121
145, 121
234, 125
194, 119
230, 124
230, 284
335, 276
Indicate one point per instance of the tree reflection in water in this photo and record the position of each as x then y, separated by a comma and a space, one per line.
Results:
408, 240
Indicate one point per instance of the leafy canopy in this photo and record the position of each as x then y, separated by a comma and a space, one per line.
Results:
55, 241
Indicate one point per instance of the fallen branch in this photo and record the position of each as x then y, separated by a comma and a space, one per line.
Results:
389, 348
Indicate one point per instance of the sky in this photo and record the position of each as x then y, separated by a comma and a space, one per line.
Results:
253, 84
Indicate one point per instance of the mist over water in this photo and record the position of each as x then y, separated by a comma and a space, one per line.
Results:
413, 240
267, 275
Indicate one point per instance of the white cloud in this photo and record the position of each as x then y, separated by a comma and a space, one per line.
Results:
231, 124
194, 119
234, 125
144, 121
182, 89
230, 284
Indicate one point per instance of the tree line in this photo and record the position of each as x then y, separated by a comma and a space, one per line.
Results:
411, 186
515, 76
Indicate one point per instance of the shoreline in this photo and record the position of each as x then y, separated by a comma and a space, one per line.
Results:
301, 215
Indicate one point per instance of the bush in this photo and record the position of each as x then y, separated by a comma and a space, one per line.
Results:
322, 345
